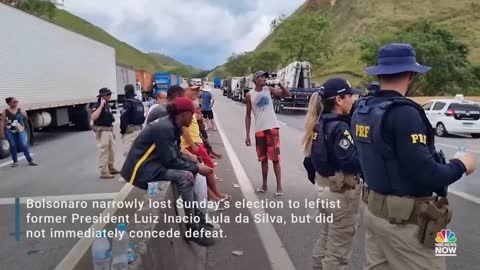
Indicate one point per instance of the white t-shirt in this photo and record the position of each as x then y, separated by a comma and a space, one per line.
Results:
262, 108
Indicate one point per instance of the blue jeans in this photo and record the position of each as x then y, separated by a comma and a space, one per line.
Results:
18, 141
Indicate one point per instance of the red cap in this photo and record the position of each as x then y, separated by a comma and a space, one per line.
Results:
183, 104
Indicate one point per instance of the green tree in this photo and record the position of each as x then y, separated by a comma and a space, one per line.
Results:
267, 60
305, 38
238, 64
435, 47
36, 7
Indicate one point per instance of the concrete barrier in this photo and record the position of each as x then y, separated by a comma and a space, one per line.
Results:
153, 253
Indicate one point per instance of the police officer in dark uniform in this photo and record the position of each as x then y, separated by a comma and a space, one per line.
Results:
103, 119
331, 149
131, 119
402, 169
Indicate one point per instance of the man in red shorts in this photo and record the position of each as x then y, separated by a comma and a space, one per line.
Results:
267, 136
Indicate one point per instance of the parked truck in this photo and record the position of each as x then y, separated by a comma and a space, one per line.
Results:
55, 73
144, 82
125, 75
296, 77
163, 81
217, 82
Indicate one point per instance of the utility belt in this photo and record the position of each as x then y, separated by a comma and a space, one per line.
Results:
431, 214
339, 183
133, 128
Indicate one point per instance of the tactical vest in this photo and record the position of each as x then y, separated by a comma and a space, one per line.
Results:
322, 146
106, 117
137, 115
381, 168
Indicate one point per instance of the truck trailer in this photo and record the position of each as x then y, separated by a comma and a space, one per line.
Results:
125, 75
54, 73
217, 82
163, 81
296, 77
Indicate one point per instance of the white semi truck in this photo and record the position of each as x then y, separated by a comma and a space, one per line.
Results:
125, 75
53, 72
296, 77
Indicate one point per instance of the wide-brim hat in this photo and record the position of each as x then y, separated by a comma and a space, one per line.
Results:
396, 58
104, 92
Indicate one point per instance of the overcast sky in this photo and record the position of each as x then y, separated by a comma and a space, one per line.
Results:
202, 33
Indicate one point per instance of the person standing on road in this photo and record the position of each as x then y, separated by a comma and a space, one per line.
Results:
330, 147
103, 119
131, 119
155, 156
267, 136
12, 127
207, 108
402, 169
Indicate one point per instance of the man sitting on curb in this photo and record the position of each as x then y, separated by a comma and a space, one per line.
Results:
155, 156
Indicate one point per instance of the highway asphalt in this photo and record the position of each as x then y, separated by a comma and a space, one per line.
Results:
68, 167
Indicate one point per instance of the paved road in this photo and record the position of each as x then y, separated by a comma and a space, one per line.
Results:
299, 238
67, 166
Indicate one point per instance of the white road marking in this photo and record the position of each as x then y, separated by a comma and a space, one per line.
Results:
11, 161
82, 246
281, 122
276, 252
456, 147
466, 196
76, 197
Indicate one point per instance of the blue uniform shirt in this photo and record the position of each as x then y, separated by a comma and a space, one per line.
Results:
406, 149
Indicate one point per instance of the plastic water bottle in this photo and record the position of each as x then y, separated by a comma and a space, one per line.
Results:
120, 249
101, 253
152, 189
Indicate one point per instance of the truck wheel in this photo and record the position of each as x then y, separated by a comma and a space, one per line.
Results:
4, 148
82, 117
29, 131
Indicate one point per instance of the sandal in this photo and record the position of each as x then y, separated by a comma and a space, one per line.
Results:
261, 190
278, 195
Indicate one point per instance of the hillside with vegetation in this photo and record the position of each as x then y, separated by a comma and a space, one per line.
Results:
359, 26
125, 53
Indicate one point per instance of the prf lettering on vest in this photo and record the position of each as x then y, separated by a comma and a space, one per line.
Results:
349, 137
419, 138
362, 131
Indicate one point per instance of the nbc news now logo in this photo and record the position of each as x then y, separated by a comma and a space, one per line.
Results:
446, 243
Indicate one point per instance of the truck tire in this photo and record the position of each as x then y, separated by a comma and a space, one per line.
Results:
30, 132
81, 118
4, 148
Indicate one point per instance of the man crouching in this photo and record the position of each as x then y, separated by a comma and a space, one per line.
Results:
155, 156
